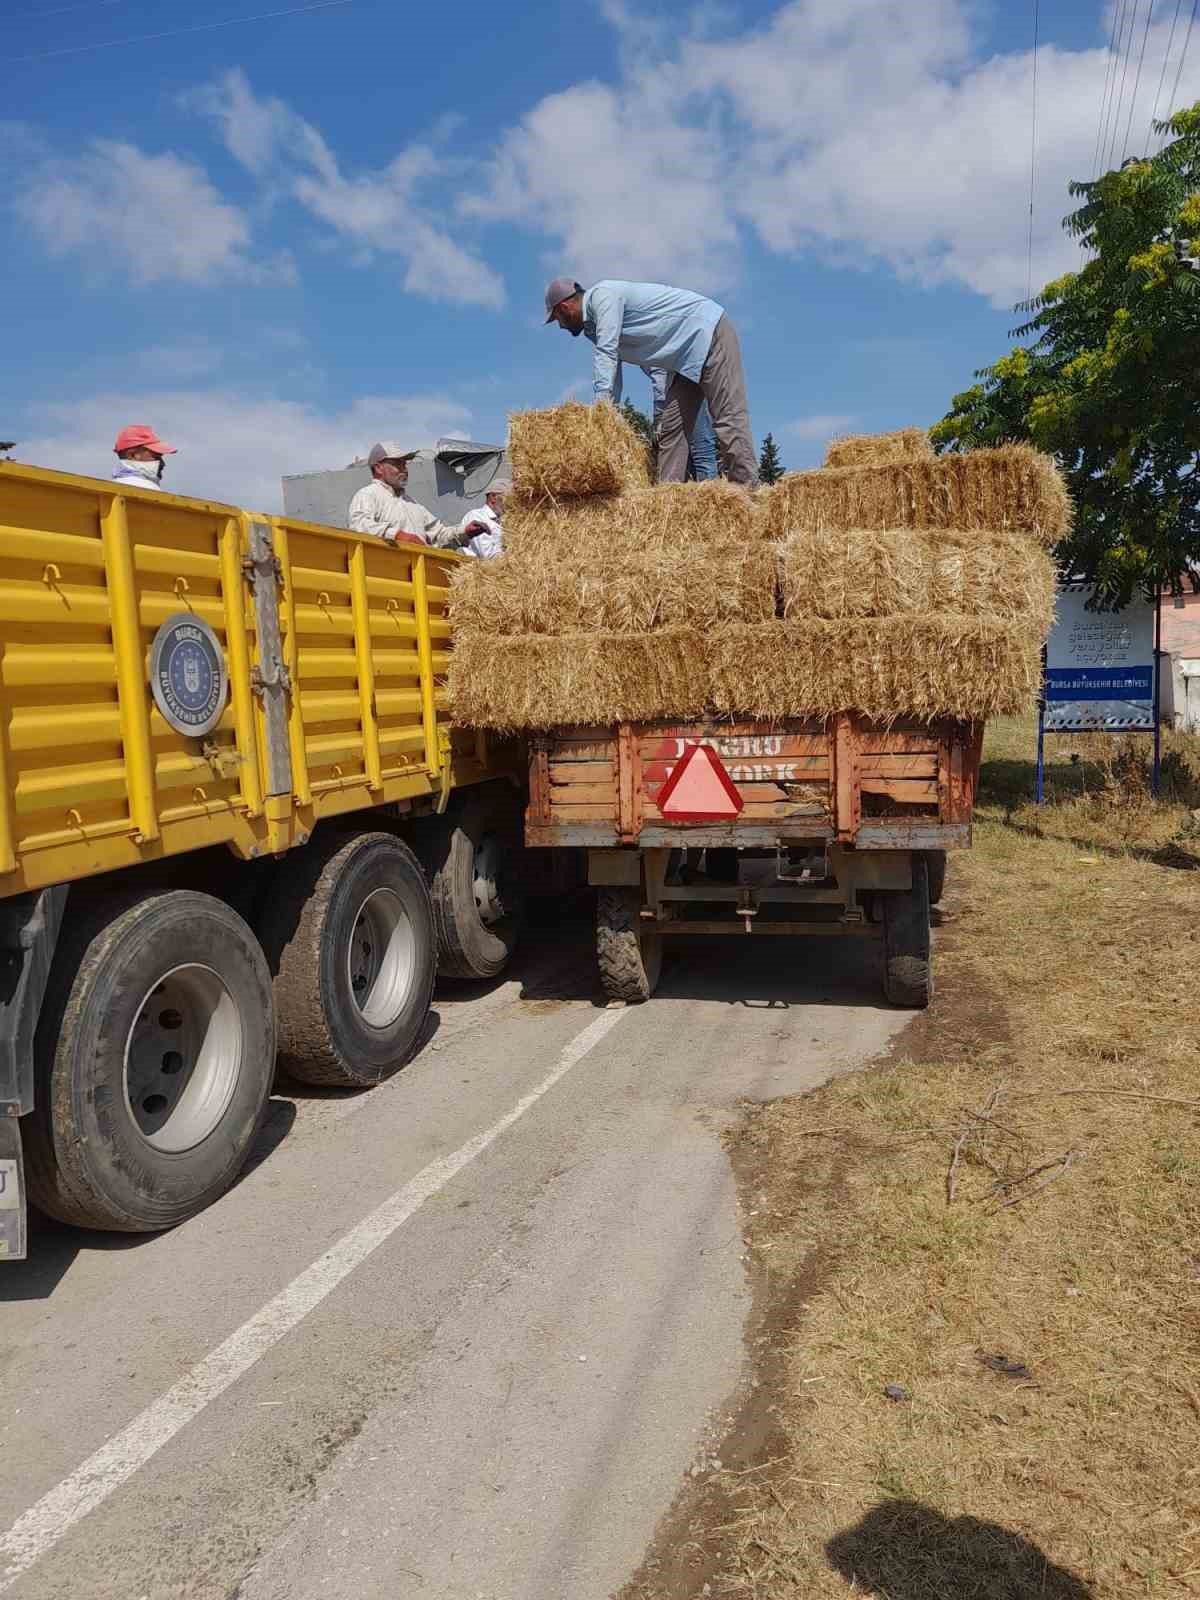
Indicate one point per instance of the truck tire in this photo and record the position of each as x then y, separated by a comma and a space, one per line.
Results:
628, 948
908, 973
153, 1059
473, 862
935, 860
349, 939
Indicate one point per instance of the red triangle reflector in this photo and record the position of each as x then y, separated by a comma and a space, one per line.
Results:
699, 789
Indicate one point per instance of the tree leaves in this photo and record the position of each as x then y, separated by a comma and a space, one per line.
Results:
1108, 375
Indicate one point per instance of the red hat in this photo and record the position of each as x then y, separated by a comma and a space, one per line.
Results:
146, 438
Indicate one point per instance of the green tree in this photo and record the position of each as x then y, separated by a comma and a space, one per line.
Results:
638, 421
770, 468
1107, 376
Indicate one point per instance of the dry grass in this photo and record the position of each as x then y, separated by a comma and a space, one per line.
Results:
539, 681
1064, 1027
1013, 487
871, 449
681, 517
573, 450
884, 667
609, 590
879, 573
1098, 788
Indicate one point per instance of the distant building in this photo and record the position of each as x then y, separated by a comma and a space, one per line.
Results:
1179, 700
449, 480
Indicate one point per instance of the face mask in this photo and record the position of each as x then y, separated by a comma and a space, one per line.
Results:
145, 469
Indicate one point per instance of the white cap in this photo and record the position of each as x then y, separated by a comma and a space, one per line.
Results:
388, 450
500, 486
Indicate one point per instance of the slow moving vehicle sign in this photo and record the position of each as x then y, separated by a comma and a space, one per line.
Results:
188, 677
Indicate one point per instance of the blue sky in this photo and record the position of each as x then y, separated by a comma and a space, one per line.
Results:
278, 240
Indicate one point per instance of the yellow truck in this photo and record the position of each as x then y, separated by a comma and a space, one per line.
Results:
235, 822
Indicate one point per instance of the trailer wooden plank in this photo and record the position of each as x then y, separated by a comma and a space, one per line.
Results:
584, 794
906, 791
897, 766
896, 741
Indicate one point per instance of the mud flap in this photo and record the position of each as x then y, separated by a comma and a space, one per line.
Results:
12, 1192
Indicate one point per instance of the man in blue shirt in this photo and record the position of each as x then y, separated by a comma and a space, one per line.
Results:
687, 335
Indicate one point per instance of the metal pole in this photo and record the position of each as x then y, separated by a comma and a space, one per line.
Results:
1154, 777
1041, 742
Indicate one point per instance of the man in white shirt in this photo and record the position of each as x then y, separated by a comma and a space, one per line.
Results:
140, 457
383, 508
490, 542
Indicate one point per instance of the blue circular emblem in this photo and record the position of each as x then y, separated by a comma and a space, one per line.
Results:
187, 674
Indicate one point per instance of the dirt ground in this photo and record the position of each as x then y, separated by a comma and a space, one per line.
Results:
974, 1360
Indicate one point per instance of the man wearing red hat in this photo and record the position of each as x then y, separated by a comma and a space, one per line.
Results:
140, 457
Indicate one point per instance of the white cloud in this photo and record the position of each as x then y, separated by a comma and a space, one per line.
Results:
863, 131
625, 186
821, 425
233, 448
150, 217
377, 211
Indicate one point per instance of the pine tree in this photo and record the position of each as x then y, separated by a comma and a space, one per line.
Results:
638, 421
770, 468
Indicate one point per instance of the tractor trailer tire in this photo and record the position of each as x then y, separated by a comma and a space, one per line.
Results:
154, 1054
628, 946
472, 859
908, 970
350, 941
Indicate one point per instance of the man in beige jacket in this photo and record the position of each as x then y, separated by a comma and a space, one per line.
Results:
383, 508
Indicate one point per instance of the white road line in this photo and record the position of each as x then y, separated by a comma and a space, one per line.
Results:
43, 1525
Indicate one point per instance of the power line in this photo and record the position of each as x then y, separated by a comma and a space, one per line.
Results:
1116, 124
1187, 39
1162, 77
1033, 146
1109, 80
1137, 82
174, 33
1112, 99
95, 5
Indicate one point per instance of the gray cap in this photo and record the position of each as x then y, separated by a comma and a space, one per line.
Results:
500, 486
558, 290
388, 450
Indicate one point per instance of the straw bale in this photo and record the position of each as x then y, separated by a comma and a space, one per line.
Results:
882, 667
603, 589
680, 516
872, 449
862, 572
539, 681
574, 450
1013, 487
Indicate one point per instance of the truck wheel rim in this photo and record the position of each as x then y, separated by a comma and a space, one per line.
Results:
382, 958
488, 865
183, 1058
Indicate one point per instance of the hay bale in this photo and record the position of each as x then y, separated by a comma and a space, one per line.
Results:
883, 667
861, 572
683, 517
873, 449
1013, 487
571, 451
609, 589
539, 681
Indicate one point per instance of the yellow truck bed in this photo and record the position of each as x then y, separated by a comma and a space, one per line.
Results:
93, 777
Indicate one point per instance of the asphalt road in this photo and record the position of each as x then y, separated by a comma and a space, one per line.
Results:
460, 1337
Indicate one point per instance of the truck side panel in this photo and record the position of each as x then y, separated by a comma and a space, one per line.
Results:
92, 778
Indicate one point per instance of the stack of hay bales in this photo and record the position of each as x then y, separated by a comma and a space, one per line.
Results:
892, 582
600, 608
